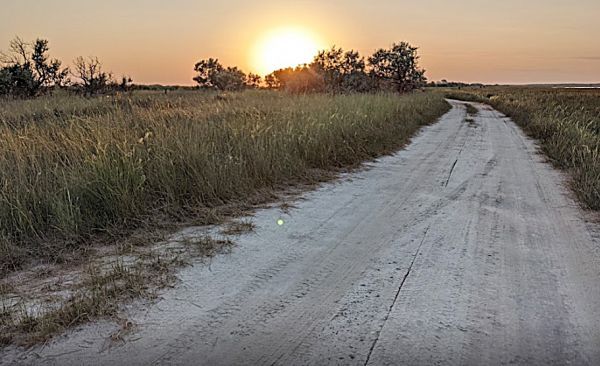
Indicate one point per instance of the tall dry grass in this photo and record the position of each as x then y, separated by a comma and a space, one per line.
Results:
565, 121
73, 168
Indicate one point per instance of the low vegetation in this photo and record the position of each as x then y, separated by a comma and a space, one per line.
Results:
238, 227
471, 110
566, 123
99, 290
73, 169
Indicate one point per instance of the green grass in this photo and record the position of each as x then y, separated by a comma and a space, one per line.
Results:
73, 170
566, 123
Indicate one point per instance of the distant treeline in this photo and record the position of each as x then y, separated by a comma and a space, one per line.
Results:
27, 70
334, 70
452, 84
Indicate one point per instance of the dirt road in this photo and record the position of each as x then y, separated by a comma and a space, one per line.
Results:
464, 249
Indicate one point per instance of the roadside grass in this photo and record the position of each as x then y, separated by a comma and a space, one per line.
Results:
73, 170
471, 113
238, 227
122, 172
566, 122
102, 290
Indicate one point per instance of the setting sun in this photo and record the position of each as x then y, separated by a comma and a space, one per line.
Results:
285, 48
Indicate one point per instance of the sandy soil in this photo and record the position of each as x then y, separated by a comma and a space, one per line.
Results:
464, 249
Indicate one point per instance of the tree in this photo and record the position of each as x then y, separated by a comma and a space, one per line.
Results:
207, 72
329, 64
301, 79
212, 75
342, 71
28, 71
355, 77
397, 67
253, 81
47, 71
230, 79
93, 80
272, 82
333, 70
18, 81
126, 84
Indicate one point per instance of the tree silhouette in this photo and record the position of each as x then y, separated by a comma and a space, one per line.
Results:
93, 79
342, 71
230, 79
27, 70
397, 67
301, 79
253, 81
272, 82
212, 75
207, 71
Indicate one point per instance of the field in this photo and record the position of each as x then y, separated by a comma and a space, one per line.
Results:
73, 170
566, 122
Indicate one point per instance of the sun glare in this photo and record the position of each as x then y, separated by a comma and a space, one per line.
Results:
285, 48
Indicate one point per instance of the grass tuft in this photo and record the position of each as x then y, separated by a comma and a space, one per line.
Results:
471, 110
238, 227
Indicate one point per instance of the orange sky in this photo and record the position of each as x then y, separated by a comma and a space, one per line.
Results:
158, 41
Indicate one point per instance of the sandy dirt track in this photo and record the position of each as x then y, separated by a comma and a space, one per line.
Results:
463, 249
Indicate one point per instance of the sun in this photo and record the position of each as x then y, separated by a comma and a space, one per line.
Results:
283, 48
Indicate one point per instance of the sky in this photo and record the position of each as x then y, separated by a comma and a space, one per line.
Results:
159, 41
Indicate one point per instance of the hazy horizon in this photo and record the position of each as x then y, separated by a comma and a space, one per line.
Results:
508, 42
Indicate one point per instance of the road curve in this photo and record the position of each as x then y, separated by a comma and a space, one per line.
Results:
463, 249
